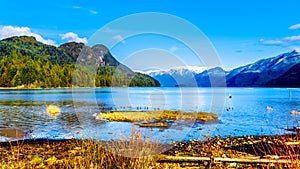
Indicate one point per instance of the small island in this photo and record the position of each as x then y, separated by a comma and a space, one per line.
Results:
157, 118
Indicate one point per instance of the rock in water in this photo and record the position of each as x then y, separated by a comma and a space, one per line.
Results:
295, 112
53, 110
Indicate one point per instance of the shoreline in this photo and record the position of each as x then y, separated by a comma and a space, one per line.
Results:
40, 88
66, 152
209, 138
32, 140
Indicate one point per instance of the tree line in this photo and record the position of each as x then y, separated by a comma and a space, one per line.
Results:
19, 70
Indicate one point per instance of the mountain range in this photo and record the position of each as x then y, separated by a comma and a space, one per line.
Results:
177, 76
279, 71
24, 61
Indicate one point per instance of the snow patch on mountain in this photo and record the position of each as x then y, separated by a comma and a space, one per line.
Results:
181, 75
180, 70
258, 73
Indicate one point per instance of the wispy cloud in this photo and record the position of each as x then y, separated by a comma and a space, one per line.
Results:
119, 38
289, 40
107, 30
173, 49
72, 37
10, 31
292, 38
271, 42
76, 7
296, 26
285, 41
93, 12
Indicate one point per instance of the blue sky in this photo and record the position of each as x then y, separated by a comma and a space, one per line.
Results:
241, 31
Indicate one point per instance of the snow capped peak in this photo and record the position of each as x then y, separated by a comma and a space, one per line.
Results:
273, 63
263, 70
179, 70
297, 49
194, 69
181, 75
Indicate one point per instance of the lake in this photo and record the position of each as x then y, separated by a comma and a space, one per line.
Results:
244, 113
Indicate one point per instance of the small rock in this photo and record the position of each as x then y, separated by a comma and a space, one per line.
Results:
233, 165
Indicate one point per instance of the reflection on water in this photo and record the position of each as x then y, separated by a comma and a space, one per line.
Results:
26, 110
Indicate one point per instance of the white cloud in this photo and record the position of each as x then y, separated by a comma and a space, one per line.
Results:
296, 26
72, 37
93, 12
119, 38
10, 31
289, 40
271, 42
292, 38
173, 49
76, 7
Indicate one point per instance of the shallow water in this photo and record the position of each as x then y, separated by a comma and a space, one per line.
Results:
243, 114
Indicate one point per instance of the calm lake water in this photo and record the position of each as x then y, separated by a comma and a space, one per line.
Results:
243, 114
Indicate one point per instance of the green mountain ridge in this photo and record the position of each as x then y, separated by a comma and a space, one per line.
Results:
26, 62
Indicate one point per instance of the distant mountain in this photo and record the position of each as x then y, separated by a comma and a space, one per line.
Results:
262, 71
212, 77
25, 61
178, 76
278, 71
291, 78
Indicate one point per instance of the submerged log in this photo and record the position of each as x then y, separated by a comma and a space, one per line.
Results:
14, 133
174, 159
157, 125
294, 129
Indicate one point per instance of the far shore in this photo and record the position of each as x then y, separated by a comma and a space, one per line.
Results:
75, 87
40, 88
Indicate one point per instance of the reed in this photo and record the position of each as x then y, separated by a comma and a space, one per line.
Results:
134, 152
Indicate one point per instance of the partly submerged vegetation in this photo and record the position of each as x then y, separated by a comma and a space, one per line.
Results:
159, 115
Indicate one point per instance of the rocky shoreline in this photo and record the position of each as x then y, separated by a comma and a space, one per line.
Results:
260, 147
239, 146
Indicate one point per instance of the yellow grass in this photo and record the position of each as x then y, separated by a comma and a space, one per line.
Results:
137, 116
128, 153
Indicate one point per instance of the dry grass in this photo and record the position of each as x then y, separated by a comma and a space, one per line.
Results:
138, 152
133, 153
282, 147
138, 116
